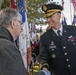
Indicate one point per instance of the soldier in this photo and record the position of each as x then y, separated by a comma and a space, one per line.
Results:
58, 44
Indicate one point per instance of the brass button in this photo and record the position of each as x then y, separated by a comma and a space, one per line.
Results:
68, 65
67, 59
65, 53
52, 49
64, 47
73, 43
65, 31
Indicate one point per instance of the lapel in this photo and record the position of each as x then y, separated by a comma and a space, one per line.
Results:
65, 34
54, 36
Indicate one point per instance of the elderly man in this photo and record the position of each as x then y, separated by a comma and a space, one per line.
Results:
10, 58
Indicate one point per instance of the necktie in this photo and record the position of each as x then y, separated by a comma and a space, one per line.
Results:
60, 37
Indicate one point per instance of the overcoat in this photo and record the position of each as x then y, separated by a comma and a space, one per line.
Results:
58, 55
10, 58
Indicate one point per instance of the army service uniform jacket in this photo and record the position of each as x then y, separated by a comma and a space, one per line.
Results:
59, 56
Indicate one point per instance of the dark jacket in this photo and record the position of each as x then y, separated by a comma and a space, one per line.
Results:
10, 59
60, 57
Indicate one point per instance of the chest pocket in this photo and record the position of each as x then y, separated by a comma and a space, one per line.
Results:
53, 46
72, 41
52, 49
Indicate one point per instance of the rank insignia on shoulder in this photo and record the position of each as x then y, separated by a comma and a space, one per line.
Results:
53, 55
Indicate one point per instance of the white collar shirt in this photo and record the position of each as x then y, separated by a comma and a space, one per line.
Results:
61, 30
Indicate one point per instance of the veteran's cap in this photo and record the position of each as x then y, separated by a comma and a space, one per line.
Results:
50, 9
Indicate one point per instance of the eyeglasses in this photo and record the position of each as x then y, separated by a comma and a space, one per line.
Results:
19, 21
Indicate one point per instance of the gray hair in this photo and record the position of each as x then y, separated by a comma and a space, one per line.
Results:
6, 16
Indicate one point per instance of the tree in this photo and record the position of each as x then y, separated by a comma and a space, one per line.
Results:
5, 3
34, 11
1, 3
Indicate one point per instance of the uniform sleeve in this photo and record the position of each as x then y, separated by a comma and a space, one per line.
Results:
12, 61
43, 54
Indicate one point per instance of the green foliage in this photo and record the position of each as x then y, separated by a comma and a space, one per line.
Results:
34, 12
37, 30
5, 4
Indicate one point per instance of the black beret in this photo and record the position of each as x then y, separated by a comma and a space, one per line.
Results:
50, 9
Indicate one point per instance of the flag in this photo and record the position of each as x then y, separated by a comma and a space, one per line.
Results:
24, 38
12, 4
64, 21
74, 4
74, 20
63, 4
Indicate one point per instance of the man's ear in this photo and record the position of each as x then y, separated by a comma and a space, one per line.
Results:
13, 23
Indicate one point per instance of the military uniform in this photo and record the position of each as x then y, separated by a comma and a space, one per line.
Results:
59, 56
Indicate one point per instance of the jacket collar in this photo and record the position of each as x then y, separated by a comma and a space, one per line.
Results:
55, 37
4, 33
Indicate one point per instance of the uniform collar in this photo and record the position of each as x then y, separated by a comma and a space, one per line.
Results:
61, 30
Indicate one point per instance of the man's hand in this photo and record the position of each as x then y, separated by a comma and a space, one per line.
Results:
46, 71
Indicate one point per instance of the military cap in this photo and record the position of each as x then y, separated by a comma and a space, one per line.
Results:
50, 9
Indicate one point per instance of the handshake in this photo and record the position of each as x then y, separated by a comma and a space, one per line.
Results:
43, 72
